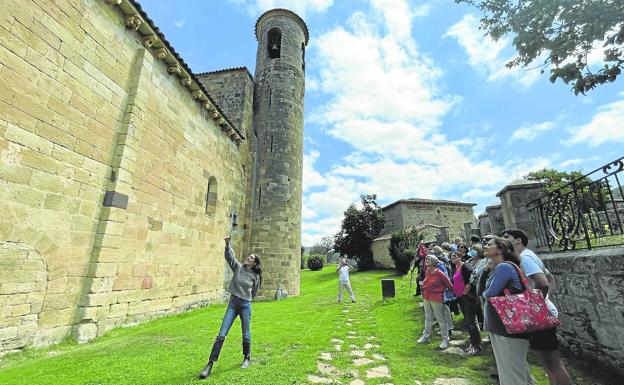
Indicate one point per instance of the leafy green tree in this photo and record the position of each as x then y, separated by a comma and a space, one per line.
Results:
567, 31
359, 228
589, 197
402, 248
553, 179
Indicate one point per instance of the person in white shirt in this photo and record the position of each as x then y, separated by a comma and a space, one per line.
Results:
343, 280
545, 341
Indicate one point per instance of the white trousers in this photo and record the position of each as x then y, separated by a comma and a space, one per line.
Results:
449, 318
438, 311
511, 360
345, 285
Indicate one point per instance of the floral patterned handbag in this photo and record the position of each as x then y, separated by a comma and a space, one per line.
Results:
524, 312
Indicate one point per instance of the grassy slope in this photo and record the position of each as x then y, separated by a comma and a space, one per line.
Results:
287, 337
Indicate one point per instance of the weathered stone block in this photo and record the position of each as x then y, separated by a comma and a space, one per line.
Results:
8, 333
613, 288
85, 332
38, 161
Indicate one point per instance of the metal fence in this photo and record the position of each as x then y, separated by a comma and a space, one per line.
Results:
584, 214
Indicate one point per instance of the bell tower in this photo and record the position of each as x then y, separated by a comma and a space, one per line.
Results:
278, 123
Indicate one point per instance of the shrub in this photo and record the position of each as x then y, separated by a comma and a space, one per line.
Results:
315, 263
402, 248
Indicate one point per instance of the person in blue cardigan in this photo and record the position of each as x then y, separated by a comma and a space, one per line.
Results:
243, 288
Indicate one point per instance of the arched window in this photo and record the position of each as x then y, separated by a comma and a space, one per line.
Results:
211, 197
275, 42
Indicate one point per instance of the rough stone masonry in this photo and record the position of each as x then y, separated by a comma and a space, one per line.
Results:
121, 170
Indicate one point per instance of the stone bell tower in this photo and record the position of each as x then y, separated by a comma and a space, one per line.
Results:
278, 123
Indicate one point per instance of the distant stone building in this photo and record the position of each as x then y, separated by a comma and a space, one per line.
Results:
121, 170
440, 220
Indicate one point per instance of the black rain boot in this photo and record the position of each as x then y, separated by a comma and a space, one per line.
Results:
214, 356
206, 371
246, 354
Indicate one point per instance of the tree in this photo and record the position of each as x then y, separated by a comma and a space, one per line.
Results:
567, 31
359, 228
553, 179
590, 194
402, 248
325, 245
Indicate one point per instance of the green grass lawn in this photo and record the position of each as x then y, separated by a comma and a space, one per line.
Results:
287, 337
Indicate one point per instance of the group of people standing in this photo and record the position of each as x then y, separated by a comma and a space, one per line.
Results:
466, 276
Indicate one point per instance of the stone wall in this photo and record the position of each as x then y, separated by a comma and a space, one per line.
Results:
448, 215
106, 160
393, 219
233, 92
590, 299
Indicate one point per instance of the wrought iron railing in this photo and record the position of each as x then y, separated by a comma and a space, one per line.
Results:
584, 214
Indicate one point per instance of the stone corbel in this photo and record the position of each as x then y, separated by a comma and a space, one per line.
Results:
199, 95
185, 81
214, 114
174, 69
208, 105
113, 2
160, 53
221, 122
133, 22
149, 41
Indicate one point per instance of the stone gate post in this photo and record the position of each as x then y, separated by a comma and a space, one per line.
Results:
514, 198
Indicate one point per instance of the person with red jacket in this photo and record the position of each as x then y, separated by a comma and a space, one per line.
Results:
432, 290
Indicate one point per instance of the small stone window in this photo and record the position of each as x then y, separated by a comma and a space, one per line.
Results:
303, 56
275, 42
211, 197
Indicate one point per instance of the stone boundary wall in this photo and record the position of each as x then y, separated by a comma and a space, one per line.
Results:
590, 299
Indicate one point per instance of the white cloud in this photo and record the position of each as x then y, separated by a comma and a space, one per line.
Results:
489, 56
383, 98
529, 132
179, 23
479, 193
301, 7
576, 161
604, 127
311, 177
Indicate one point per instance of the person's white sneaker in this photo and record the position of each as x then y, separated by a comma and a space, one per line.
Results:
444, 344
423, 340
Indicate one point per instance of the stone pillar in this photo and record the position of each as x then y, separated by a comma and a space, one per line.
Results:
467, 231
495, 217
484, 224
514, 199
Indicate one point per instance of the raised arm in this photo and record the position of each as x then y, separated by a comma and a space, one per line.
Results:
229, 256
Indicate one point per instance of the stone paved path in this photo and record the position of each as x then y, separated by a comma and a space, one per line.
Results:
354, 358
362, 352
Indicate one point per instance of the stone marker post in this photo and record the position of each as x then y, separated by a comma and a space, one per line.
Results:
514, 199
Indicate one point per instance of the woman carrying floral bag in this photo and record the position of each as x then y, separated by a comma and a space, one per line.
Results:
510, 350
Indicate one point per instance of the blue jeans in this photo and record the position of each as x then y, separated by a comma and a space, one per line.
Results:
237, 307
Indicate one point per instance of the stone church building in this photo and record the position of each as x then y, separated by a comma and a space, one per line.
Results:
121, 170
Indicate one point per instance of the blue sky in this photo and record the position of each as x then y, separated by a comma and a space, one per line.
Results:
407, 99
